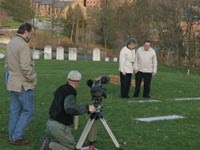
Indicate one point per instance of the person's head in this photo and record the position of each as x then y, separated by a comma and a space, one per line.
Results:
25, 30
147, 44
74, 78
131, 43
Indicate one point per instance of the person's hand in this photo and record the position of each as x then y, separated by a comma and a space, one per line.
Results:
92, 109
153, 73
124, 73
135, 71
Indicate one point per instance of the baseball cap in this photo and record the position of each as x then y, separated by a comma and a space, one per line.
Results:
74, 75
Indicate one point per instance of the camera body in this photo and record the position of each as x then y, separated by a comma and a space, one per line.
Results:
97, 91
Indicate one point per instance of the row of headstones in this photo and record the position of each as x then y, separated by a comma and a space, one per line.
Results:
72, 55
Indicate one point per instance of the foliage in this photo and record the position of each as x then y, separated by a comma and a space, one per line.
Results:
74, 23
69, 22
120, 114
157, 20
20, 10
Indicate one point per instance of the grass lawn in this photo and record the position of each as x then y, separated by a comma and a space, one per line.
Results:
169, 83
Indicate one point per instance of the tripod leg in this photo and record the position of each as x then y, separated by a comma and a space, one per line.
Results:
110, 133
84, 133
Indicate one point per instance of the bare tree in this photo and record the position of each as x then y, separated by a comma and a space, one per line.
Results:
3, 16
74, 23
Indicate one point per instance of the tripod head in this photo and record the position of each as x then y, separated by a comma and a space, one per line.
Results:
97, 115
97, 91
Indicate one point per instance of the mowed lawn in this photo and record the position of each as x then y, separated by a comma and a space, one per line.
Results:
120, 114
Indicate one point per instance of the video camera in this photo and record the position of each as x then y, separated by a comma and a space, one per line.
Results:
97, 90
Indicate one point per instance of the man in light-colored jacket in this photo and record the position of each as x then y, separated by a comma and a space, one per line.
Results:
21, 81
126, 66
145, 66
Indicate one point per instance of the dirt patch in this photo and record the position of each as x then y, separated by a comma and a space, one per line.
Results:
114, 79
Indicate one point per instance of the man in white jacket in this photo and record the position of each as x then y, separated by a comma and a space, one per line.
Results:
126, 66
144, 67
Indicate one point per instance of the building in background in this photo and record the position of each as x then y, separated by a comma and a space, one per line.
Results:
60, 7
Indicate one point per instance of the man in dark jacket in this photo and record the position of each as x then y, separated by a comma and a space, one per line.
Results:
62, 111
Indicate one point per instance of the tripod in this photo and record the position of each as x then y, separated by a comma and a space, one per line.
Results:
96, 116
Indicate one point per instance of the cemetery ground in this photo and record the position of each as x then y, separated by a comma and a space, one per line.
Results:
170, 83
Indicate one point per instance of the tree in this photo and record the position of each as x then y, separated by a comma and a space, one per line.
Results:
105, 21
167, 17
3, 16
69, 23
20, 10
74, 23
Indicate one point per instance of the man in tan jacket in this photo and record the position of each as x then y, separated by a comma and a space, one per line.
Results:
21, 81
144, 68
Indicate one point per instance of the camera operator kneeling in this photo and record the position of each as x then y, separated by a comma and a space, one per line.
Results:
61, 114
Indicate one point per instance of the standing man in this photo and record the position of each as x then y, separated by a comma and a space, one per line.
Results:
21, 81
61, 114
126, 66
145, 67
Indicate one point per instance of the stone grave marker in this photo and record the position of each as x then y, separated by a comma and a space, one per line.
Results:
48, 52
36, 54
96, 54
72, 53
60, 53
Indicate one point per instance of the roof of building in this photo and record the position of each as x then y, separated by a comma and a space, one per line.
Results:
56, 3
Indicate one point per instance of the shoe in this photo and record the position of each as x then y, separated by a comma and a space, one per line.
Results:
91, 147
19, 142
125, 97
135, 96
45, 144
147, 97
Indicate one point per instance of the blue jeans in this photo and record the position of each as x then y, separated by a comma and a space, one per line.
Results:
21, 113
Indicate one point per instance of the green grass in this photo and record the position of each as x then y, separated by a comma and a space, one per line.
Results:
11, 23
169, 83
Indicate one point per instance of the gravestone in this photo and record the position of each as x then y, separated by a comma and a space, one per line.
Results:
96, 54
60, 53
107, 59
2, 55
72, 53
115, 59
36, 54
48, 52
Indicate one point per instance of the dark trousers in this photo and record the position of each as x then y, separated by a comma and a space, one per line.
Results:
125, 81
146, 77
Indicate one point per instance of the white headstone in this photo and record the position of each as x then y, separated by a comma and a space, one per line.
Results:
106, 59
96, 54
36, 54
72, 53
47, 52
60, 53
115, 59
2, 55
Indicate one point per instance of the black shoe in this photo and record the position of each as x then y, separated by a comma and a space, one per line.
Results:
147, 97
22, 141
125, 97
